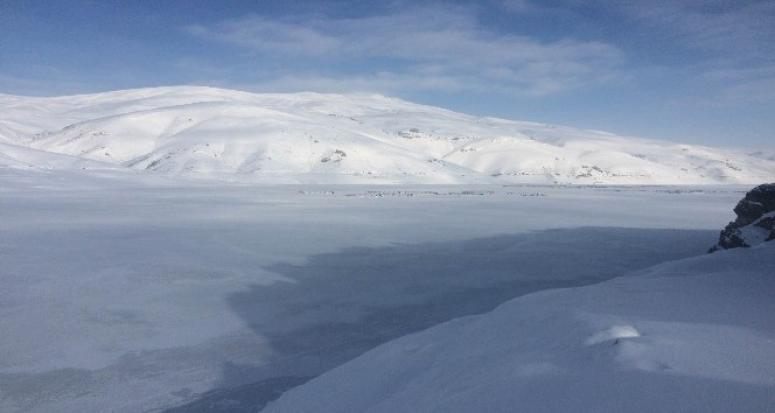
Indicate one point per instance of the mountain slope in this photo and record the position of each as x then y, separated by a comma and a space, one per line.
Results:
309, 137
20, 157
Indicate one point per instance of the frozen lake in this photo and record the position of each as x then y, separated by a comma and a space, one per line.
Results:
128, 294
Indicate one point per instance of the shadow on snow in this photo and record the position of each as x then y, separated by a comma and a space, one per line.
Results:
341, 304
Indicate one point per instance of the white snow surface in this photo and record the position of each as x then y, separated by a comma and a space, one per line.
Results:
326, 138
696, 335
128, 292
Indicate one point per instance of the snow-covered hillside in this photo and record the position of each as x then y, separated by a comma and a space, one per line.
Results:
310, 138
689, 336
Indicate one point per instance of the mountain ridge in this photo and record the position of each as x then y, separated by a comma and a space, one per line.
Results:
309, 137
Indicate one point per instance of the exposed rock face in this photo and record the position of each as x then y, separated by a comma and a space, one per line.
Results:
755, 221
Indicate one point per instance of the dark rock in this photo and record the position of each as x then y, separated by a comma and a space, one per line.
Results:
755, 221
756, 203
768, 224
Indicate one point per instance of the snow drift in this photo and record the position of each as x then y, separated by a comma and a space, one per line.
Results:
326, 138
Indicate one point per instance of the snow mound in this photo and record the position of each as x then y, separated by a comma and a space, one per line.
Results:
329, 138
691, 335
613, 334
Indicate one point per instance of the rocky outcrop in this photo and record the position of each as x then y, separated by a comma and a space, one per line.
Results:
755, 221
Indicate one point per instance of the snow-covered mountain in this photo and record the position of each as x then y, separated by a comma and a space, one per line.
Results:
310, 137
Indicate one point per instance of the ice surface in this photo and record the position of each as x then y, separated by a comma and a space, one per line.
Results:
133, 293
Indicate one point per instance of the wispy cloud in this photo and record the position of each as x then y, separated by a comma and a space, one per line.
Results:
701, 39
423, 47
264, 35
736, 28
517, 6
742, 85
732, 42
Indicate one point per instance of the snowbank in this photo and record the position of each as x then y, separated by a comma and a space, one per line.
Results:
693, 335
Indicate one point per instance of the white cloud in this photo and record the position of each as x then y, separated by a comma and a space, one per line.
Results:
463, 53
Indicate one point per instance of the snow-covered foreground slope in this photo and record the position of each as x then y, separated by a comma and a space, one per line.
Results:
319, 138
696, 335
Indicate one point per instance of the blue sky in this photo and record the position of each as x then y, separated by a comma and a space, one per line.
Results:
685, 70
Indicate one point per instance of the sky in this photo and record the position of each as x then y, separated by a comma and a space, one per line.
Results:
692, 71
